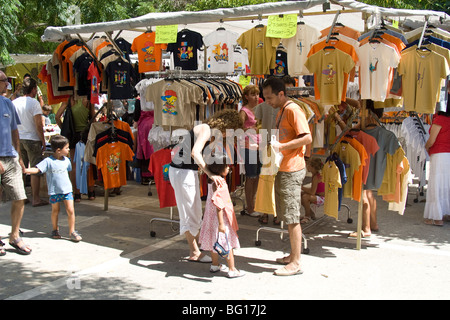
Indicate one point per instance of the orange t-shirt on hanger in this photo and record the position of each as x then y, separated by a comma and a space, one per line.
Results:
111, 160
149, 52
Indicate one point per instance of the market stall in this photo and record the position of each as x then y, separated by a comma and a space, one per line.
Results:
101, 51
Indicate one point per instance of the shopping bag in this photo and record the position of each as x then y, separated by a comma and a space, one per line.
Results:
222, 250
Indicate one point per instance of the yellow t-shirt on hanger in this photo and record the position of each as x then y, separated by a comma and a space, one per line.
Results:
332, 180
261, 49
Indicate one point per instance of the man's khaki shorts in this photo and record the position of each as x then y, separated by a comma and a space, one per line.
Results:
11, 180
288, 188
31, 152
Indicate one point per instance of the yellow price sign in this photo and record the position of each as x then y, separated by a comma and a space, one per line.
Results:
395, 23
166, 34
244, 81
282, 26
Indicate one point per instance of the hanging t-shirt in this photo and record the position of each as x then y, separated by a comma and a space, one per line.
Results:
387, 143
220, 50
329, 68
149, 52
185, 49
95, 80
376, 61
261, 49
125, 47
241, 63
120, 75
166, 195
81, 66
171, 101
422, 73
350, 157
332, 181
281, 64
111, 160
298, 47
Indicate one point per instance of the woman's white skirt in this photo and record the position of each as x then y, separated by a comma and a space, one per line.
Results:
438, 190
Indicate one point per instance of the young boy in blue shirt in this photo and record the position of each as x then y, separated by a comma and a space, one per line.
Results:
57, 168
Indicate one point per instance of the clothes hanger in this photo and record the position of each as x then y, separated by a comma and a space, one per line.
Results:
221, 26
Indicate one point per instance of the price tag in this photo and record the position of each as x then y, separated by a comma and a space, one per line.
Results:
166, 34
283, 27
395, 23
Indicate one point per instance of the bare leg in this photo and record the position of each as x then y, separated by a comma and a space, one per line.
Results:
35, 188
70, 214
55, 214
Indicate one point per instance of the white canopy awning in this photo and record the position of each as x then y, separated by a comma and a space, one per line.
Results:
197, 19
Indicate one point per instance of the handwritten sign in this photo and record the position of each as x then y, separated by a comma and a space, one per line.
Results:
166, 34
283, 27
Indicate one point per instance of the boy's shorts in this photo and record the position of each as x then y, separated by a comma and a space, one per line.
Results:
55, 198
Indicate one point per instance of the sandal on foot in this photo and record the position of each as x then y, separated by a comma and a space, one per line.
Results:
264, 219
91, 195
283, 260
20, 249
75, 237
77, 197
276, 222
305, 220
56, 234
285, 272
2, 250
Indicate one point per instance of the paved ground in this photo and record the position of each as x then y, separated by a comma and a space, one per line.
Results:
119, 260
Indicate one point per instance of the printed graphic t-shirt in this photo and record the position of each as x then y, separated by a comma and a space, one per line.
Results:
149, 52
185, 49
111, 160
422, 73
166, 195
57, 175
119, 76
332, 181
329, 68
220, 50
261, 49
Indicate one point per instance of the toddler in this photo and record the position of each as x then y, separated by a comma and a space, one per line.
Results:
314, 194
57, 168
219, 217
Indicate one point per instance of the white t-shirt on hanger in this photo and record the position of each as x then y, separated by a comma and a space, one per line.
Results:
375, 63
220, 50
241, 62
298, 47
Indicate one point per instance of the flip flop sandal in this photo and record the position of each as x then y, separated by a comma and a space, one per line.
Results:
20, 249
285, 272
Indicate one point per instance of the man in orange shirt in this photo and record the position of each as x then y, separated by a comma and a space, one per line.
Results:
294, 135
